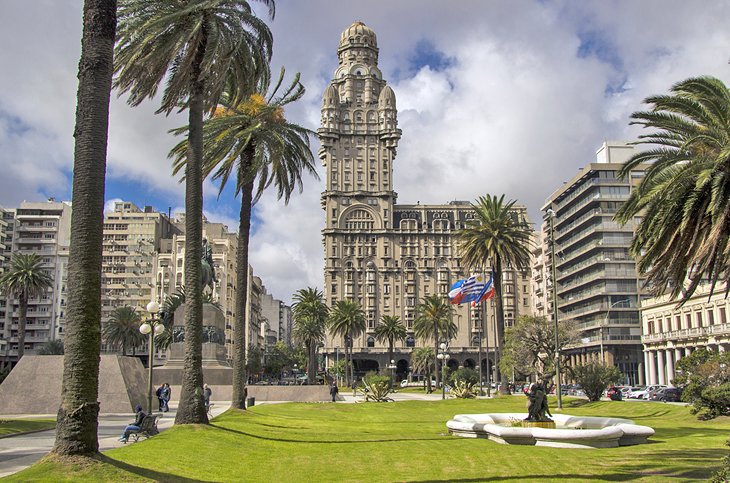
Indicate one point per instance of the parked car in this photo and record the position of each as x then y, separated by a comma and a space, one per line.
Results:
667, 394
652, 390
637, 392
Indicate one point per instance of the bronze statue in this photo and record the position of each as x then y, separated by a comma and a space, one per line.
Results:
207, 271
538, 409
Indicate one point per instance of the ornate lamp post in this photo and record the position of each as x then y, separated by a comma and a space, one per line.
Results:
443, 356
152, 326
392, 367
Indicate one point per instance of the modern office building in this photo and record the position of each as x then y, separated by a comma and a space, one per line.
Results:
386, 256
43, 228
597, 283
671, 332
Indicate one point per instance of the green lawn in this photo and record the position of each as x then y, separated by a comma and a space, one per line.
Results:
405, 441
17, 426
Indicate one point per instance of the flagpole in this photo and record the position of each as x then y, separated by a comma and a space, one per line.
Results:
481, 334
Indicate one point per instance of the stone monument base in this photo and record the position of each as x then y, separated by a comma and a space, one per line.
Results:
34, 385
538, 424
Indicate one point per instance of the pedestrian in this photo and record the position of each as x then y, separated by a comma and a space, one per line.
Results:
166, 394
135, 426
160, 399
207, 393
334, 390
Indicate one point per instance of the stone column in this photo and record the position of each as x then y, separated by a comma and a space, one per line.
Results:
642, 368
644, 378
660, 366
670, 366
720, 348
687, 352
651, 379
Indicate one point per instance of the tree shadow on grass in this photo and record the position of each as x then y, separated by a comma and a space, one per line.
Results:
686, 432
537, 477
147, 473
310, 441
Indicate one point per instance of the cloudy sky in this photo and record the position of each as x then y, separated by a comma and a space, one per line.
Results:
493, 97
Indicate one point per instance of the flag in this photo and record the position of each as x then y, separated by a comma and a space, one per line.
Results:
468, 290
487, 292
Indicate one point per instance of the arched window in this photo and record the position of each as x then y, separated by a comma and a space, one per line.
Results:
410, 341
371, 341
359, 220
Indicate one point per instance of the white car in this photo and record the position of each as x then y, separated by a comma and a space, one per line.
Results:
636, 392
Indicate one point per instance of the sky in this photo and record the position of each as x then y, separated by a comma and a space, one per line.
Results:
499, 97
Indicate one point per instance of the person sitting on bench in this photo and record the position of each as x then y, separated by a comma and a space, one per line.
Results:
135, 426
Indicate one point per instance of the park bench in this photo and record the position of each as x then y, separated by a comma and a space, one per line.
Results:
148, 428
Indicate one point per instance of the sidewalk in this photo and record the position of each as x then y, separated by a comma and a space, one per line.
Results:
19, 452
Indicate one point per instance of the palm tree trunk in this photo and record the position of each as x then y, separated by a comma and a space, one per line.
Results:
124, 348
191, 409
22, 321
499, 307
238, 397
312, 367
77, 420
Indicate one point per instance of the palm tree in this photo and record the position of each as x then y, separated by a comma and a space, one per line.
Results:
434, 322
77, 421
310, 324
198, 47
251, 140
123, 329
25, 279
347, 319
51, 348
684, 197
390, 329
422, 361
500, 237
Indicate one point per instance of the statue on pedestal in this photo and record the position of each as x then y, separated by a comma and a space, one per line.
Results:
538, 408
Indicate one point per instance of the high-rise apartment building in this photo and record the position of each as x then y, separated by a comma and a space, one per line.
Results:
132, 241
384, 256
43, 228
597, 282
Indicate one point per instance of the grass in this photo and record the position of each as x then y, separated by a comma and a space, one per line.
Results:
17, 426
405, 441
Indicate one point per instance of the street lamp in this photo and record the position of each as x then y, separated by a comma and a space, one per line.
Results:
392, 367
152, 326
605, 322
551, 215
443, 357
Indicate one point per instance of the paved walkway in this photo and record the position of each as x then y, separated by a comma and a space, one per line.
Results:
19, 452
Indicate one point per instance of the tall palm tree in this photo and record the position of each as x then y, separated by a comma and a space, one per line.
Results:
123, 329
310, 324
25, 279
684, 197
434, 322
422, 361
197, 47
78, 416
391, 329
499, 237
251, 140
347, 319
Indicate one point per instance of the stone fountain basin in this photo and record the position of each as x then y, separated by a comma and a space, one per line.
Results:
571, 431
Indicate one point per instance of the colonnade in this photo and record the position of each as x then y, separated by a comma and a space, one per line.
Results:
661, 363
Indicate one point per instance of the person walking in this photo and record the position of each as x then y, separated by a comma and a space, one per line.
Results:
160, 399
207, 393
334, 390
165, 395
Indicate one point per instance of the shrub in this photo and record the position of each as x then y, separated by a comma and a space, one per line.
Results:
723, 474
705, 377
462, 382
595, 378
376, 387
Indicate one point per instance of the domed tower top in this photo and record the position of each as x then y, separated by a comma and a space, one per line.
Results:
330, 97
386, 100
358, 35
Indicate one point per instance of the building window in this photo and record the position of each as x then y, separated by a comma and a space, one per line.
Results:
371, 341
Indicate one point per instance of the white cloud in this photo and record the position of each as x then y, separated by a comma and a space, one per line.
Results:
516, 109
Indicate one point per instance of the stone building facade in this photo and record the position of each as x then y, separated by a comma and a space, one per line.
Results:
386, 256
671, 332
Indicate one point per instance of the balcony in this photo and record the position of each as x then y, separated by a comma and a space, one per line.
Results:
695, 332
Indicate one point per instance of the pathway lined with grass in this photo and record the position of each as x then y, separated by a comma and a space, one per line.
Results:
10, 427
405, 441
